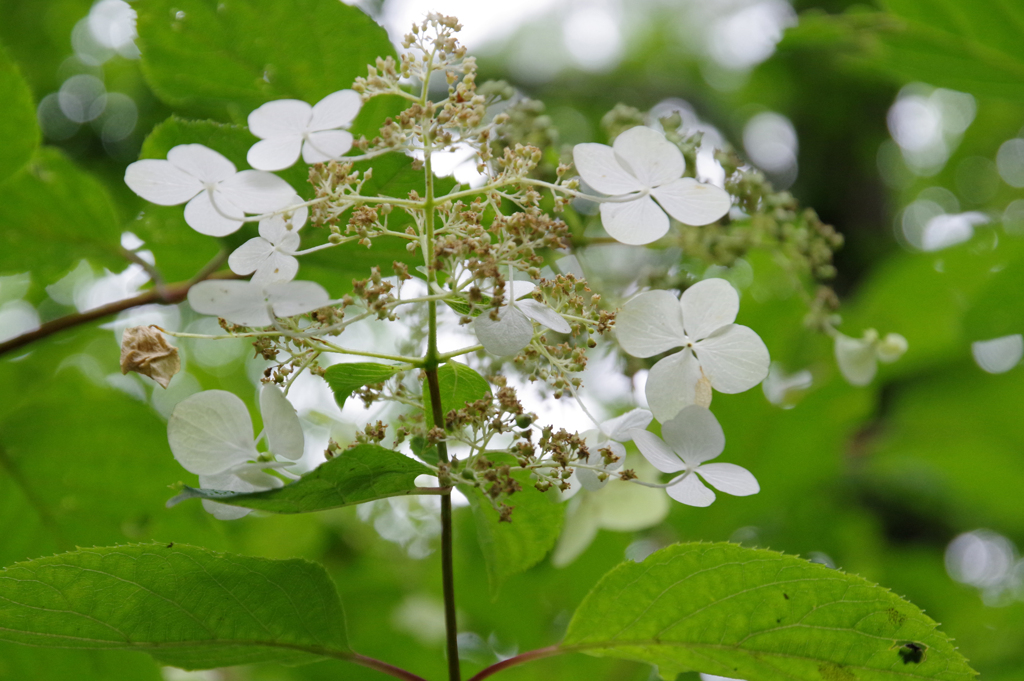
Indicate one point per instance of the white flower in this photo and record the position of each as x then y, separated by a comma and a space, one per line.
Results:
249, 304
642, 162
858, 357
513, 331
218, 196
622, 507
691, 438
998, 355
270, 257
716, 353
210, 434
609, 435
288, 126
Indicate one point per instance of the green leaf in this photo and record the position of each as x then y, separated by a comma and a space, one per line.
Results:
186, 606
18, 127
761, 616
513, 547
219, 56
998, 308
363, 473
459, 384
55, 214
974, 47
345, 379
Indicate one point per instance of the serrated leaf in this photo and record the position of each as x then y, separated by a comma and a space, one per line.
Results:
761, 616
186, 606
55, 214
345, 379
363, 473
228, 56
459, 384
513, 547
18, 127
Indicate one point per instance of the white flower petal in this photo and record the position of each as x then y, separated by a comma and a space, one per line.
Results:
999, 355
650, 324
657, 452
734, 358
202, 216
856, 359
296, 297
649, 156
730, 478
201, 162
578, 532
590, 479
336, 110
321, 147
239, 302
250, 255
520, 288
692, 202
618, 428
673, 384
542, 314
274, 229
276, 153
599, 168
625, 507
161, 182
707, 306
695, 435
231, 482
692, 492
255, 191
281, 424
280, 118
277, 268
507, 336
210, 432
636, 222
892, 347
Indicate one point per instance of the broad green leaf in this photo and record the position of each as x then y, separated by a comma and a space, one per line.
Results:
186, 606
363, 473
25, 663
974, 47
998, 307
459, 384
55, 214
18, 127
345, 379
228, 55
515, 546
761, 616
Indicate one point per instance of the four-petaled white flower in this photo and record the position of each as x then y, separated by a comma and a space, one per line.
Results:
643, 164
249, 304
218, 196
288, 126
210, 434
858, 357
270, 257
691, 438
609, 435
513, 331
716, 353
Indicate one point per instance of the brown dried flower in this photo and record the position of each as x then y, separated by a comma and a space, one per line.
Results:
144, 350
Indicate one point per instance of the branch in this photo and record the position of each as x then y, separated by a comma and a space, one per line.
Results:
518, 659
164, 295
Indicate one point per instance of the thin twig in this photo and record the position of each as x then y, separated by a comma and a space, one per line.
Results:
171, 294
518, 659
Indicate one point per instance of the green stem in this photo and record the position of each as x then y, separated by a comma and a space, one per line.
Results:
430, 366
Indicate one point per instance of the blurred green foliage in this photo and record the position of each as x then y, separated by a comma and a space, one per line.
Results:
876, 480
